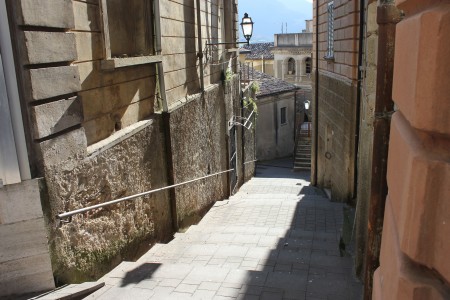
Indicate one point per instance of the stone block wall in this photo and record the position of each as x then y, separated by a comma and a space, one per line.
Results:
180, 45
111, 100
96, 135
414, 261
336, 98
24, 261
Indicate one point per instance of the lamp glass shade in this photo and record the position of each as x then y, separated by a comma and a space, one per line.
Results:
307, 105
247, 26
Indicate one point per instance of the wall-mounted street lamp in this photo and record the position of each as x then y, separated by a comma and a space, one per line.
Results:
247, 30
247, 27
307, 104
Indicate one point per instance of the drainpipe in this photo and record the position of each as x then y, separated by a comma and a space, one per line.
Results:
200, 46
358, 96
387, 18
165, 119
316, 101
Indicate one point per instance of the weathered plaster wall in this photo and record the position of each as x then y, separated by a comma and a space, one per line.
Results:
273, 139
414, 260
198, 139
94, 241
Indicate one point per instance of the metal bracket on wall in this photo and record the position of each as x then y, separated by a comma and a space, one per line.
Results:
241, 121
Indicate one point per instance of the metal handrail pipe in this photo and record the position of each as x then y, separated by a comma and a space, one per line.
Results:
88, 208
250, 161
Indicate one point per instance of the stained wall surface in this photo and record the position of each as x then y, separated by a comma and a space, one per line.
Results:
414, 262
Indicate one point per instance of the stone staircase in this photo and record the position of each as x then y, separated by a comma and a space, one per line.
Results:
277, 238
302, 159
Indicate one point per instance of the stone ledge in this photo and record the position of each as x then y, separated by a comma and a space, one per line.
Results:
114, 63
117, 137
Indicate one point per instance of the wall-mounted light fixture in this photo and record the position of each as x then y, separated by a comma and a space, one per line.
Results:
247, 30
307, 103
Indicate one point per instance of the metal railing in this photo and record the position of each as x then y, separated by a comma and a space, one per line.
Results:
88, 208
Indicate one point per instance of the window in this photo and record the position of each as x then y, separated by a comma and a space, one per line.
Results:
330, 35
283, 115
308, 65
128, 31
291, 66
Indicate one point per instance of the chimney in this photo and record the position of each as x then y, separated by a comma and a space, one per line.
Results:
309, 26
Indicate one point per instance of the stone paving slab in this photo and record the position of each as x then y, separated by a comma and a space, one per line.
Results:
277, 238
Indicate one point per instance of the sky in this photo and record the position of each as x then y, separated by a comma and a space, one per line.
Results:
268, 16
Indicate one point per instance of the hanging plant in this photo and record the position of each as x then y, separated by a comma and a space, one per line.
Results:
250, 103
254, 87
228, 74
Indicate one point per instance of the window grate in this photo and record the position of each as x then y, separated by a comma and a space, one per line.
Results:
330, 35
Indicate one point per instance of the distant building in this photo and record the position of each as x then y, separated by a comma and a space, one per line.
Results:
275, 124
258, 56
292, 56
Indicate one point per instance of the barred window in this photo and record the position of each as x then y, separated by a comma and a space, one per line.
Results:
330, 36
308, 65
283, 116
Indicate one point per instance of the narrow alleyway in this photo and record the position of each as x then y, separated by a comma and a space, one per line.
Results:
277, 238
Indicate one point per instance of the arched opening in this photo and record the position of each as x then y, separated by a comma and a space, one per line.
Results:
291, 66
308, 65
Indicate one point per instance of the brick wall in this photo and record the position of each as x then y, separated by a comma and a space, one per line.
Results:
414, 262
336, 97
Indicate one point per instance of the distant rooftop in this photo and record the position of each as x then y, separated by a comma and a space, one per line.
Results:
258, 50
268, 85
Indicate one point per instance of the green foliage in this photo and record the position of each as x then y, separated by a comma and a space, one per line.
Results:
254, 87
250, 103
228, 74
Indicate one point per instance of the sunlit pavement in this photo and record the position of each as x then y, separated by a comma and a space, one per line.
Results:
277, 238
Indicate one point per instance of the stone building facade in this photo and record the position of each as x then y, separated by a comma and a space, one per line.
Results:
292, 56
276, 116
115, 104
388, 135
336, 92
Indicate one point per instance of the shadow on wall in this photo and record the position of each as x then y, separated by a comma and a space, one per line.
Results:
115, 99
192, 83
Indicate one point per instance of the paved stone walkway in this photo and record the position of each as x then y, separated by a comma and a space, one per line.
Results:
277, 238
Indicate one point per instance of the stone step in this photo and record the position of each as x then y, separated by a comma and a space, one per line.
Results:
304, 150
302, 165
302, 159
302, 169
72, 291
270, 280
